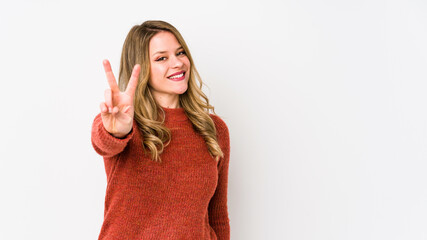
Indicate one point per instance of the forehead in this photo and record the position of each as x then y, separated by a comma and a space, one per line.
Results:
163, 41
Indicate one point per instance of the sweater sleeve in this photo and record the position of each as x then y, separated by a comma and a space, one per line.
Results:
218, 210
106, 144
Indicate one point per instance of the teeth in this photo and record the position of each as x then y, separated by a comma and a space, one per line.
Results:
176, 76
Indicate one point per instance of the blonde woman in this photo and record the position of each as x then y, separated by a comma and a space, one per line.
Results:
166, 157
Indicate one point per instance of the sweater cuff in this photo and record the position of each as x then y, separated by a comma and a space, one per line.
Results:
106, 144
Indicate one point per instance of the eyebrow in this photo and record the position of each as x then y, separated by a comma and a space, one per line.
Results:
166, 51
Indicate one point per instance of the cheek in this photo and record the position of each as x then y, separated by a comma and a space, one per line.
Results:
187, 62
157, 72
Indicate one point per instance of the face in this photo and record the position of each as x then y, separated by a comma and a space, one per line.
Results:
169, 67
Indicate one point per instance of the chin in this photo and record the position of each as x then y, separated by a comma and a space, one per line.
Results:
182, 91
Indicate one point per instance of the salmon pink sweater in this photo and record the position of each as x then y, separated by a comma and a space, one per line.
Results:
183, 197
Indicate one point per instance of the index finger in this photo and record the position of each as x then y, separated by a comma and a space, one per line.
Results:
110, 76
133, 81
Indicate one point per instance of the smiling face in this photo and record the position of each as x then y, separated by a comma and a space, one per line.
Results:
170, 68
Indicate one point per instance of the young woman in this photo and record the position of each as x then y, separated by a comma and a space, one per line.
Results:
166, 157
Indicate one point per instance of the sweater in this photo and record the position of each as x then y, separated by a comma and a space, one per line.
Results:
183, 197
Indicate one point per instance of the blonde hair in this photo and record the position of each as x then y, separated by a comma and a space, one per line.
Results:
149, 114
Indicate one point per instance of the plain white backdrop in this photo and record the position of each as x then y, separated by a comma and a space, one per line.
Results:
325, 102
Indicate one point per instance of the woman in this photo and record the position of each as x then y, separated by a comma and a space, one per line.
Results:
166, 157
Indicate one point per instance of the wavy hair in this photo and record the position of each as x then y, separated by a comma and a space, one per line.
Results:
149, 114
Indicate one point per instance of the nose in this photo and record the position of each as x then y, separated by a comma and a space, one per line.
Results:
176, 62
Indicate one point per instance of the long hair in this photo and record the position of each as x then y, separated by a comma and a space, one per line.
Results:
148, 113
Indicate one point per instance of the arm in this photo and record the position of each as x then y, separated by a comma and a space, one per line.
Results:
106, 144
116, 117
218, 210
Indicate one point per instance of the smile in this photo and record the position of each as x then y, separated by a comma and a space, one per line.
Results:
178, 77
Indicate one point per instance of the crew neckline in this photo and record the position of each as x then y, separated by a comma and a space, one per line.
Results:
175, 114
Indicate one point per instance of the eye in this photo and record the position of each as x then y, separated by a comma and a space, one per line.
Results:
182, 52
160, 59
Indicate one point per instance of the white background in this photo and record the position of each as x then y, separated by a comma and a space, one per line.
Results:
325, 102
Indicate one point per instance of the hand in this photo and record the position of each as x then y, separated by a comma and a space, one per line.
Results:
117, 111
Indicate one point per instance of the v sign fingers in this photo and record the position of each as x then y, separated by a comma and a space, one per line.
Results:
133, 81
108, 100
110, 76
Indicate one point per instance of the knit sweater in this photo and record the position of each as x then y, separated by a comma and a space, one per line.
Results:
183, 197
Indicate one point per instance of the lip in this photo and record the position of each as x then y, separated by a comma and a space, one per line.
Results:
177, 79
177, 73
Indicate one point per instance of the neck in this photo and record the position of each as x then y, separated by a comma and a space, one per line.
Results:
167, 100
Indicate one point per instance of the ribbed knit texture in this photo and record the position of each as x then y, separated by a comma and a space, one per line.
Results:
183, 197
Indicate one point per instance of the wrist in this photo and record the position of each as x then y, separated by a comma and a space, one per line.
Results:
121, 136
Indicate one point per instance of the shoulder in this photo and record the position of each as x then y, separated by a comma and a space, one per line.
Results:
222, 131
220, 124
223, 136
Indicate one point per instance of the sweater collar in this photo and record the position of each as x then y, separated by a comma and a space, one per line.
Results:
175, 114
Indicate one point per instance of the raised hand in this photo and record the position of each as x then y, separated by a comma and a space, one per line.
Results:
117, 111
